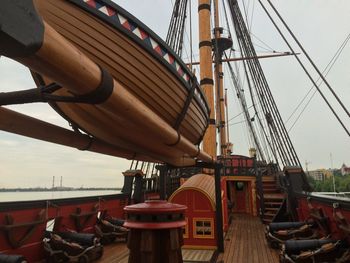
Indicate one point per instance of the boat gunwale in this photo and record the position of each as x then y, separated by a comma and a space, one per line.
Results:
323, 200
32, 204
120, 28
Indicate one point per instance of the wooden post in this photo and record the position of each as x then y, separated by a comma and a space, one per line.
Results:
259, 186
155, 232
163, 172
206, 73
218, 199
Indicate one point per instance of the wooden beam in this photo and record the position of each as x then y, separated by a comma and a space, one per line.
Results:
20, 124
249, 58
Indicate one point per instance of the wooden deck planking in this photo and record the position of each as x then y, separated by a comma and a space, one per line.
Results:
115, 253
197, 255
245, 242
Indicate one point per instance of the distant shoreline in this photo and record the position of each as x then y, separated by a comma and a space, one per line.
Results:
57, 189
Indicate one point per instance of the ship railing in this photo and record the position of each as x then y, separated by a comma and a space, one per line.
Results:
151, 185
342, 195
238, 165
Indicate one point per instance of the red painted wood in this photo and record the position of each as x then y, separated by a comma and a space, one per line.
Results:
65, 220
240, 205
155, 207
33, 249
225, 212
114, 207
328, 210
155, 231
198, 206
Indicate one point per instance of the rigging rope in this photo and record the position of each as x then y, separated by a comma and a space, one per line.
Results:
262, 128
176, 30
268, 46
325, 71
304, 68
226, 19
239, 114
309, 58
191, 40
278, 132
245, 110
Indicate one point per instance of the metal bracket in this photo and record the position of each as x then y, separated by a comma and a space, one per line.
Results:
45, 94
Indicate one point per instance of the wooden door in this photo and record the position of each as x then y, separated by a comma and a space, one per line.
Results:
241, 197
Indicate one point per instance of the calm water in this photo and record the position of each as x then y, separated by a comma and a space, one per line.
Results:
29, 196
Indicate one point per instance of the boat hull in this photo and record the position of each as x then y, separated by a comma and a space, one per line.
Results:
112, 45
109, 76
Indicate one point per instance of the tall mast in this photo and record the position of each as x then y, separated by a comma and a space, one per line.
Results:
206, 73
219, 82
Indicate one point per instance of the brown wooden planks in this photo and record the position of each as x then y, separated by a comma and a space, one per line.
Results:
245, 242
197, 255
115, 253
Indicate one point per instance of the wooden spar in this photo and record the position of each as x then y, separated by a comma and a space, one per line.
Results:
17, 123
249, 58
219, 86
126, 133
81, 75
14, 122
206, 73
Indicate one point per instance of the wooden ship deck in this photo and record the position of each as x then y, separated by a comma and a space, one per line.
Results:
115, 253
244, 242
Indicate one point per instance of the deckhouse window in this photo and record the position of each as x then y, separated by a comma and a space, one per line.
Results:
203, 228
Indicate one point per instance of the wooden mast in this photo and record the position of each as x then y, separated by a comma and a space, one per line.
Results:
206, 73
219, 85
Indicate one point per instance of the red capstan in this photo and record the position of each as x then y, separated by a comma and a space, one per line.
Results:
155, 231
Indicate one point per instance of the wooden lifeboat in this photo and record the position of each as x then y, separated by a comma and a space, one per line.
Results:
155, 106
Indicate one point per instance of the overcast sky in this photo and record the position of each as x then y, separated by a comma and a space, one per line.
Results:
321, 25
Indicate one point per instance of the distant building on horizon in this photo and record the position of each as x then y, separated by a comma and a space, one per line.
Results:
344, 170
320, 174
